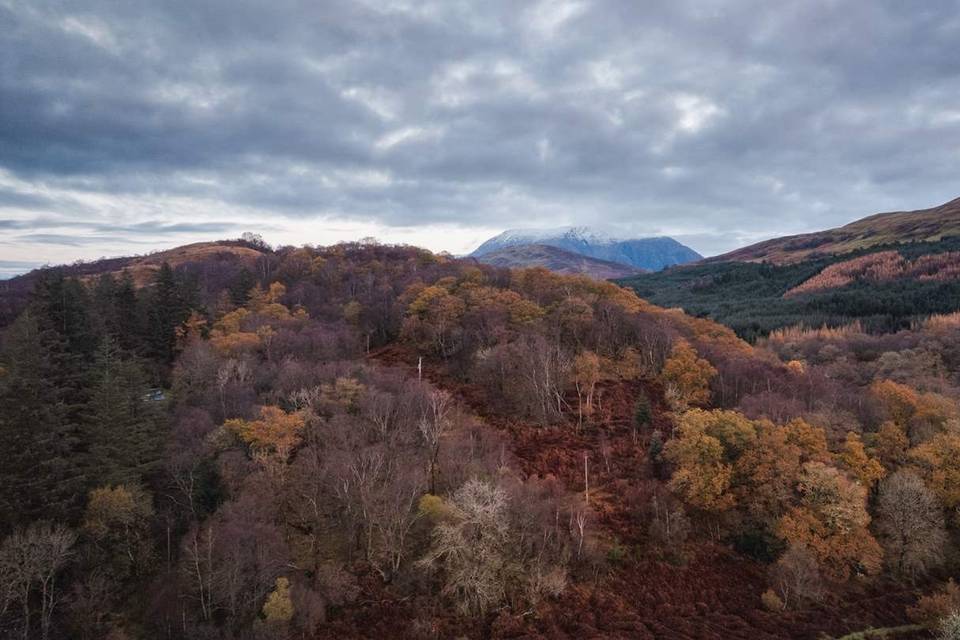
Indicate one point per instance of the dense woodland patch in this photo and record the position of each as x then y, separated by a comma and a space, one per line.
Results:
755, 298
366, 440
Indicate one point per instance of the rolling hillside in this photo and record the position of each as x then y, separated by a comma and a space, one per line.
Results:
885, 271
223, 255
924, 225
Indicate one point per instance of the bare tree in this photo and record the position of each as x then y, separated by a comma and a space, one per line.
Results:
910, 523
436, 420
796, 577
30, 559
470, 547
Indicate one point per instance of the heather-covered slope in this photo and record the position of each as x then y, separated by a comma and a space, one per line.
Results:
924, 225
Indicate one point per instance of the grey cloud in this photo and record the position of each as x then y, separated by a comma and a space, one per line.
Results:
716, 121
152, 227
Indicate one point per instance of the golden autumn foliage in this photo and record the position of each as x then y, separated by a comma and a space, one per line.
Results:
275, 432
854, 457
236, 343
811, 440
703, 472
766, 474
279, 605
686, 377
344, 391
831, 521
890, 444
939, 464
898, 400
112, 509
586, 375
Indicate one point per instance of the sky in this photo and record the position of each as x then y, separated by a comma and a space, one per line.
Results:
128, 126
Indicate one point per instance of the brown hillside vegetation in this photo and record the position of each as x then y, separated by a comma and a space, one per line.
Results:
884, 228
883, 266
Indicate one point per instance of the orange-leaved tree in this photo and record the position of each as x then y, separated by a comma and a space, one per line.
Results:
703, 452
276, 433
831, 520
686, 377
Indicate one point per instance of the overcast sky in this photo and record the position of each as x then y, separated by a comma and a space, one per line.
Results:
132, 125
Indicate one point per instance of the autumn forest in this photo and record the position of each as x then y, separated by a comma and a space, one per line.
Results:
368, 440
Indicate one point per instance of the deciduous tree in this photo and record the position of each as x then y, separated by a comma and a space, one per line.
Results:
910, 524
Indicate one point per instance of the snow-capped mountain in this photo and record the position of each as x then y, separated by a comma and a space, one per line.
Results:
644, 253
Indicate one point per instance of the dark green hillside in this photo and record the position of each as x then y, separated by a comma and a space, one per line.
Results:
748, 296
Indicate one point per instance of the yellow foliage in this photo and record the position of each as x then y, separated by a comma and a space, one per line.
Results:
702, 477
343, 391
890, 444
687, 376
523, 312
275, 431
831, 521
434, 508
276, 291
939, 464
117, 508
811, 440
771, 601
898, 400
854, 457
275, 310
231, 322
234, 343
796, 367
279, 605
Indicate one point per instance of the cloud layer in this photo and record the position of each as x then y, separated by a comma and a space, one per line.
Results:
126, 126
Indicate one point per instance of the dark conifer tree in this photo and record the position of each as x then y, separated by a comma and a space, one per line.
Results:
41, 471
167, 310
241, 286
123, 420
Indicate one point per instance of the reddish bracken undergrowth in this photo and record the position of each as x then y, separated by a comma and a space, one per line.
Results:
713, 595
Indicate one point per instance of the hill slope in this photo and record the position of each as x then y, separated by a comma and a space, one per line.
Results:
652, 254
885, 271
924, 225
222, 255
557, 260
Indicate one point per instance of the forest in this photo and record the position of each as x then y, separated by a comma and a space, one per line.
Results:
369, 440
754, 298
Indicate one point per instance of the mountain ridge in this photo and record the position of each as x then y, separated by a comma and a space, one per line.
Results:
649, 253
557, 260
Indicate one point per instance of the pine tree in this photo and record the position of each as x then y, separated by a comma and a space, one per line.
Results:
122, 424
167, 310
128, 321
241, 286
40, 474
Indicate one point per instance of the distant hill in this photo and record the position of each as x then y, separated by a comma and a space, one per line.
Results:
885, 272
652, 254
558, 260
924, 225
209, 259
